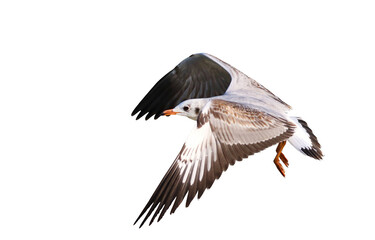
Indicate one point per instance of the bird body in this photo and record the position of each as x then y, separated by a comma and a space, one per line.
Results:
236, 117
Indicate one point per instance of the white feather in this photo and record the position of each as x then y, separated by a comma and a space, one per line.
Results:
300, 138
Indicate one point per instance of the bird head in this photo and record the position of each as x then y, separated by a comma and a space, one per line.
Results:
189, 108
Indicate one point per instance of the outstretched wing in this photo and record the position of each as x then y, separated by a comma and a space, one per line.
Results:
241, 84
198, 76
225, 132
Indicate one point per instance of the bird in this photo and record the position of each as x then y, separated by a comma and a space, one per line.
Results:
235, 117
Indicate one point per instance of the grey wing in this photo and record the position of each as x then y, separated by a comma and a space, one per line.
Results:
242, 84
198, 76
225, 132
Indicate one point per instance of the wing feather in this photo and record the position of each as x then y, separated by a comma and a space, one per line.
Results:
198, 76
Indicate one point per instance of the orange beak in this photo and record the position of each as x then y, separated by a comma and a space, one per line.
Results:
169, 112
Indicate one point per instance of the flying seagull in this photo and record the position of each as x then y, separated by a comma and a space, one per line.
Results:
236, 117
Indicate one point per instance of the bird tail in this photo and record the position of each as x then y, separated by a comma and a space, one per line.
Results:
304, 139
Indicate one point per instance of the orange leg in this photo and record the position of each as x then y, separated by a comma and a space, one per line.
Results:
281, 156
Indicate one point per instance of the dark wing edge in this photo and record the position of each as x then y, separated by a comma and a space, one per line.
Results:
172, 188
315, 150
183, 178
198, 76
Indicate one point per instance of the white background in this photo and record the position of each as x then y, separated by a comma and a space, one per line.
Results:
75, 165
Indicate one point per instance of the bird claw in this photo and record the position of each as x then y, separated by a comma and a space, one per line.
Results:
283, 158
279, 167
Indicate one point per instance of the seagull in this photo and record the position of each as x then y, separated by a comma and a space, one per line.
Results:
235, 117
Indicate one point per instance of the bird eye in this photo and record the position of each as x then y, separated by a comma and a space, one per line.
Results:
197, 110
186, 108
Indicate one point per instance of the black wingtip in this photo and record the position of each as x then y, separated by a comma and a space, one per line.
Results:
148, 116
133, 113
142, 223
140, 216
137, 221
313, 152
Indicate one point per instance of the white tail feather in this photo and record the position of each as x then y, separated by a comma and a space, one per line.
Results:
304, 140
